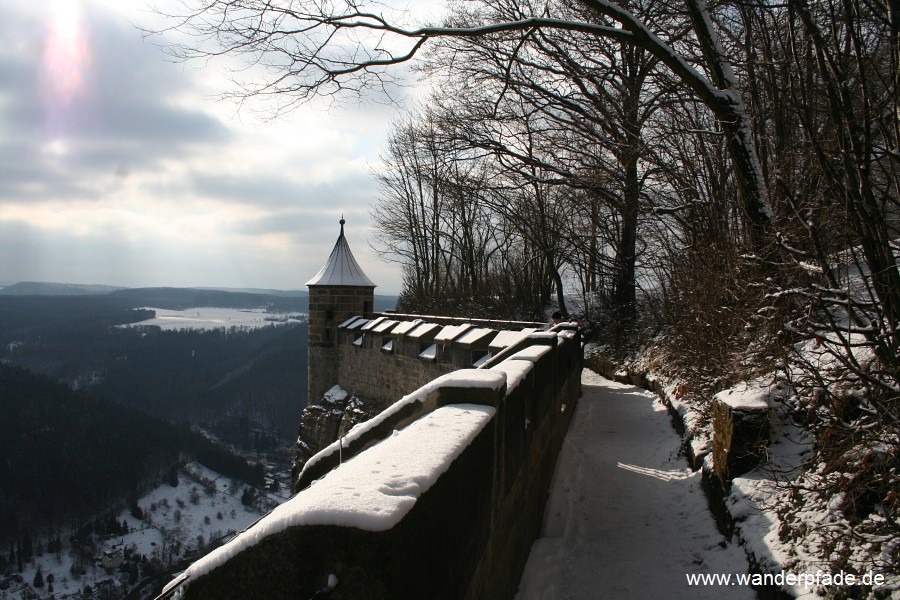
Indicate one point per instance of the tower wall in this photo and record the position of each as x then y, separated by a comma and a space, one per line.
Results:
329, 306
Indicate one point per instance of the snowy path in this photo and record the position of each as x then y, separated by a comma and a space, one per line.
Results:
626, 518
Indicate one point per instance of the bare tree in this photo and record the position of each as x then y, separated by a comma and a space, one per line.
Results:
305, 49
301, 49
434, 218
750, 147
408, 217
576, 97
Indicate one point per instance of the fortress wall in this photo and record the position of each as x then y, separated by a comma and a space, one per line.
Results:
468, 535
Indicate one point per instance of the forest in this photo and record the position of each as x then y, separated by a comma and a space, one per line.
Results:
68, 457
710, 186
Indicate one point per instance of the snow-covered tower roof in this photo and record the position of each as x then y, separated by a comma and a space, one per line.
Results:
341, 268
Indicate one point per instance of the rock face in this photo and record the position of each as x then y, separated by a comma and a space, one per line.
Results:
334, 415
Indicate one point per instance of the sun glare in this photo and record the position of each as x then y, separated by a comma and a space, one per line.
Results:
65, 15
56, 147
66, 54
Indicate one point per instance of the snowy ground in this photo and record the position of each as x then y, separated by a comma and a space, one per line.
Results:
203, 507
215, 318
626, 518
783, 496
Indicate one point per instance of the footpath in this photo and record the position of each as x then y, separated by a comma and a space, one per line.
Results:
626, 518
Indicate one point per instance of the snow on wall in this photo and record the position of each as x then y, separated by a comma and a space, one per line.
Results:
451, 332
532, 353
376, 489
506, 338
383, 474
467, 378
476, 334
515, 370
404, 327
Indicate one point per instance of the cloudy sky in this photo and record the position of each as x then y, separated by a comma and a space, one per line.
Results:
117, 167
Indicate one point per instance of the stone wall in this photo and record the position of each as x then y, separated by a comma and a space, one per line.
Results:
740, 436
379, 376
420, 350
468, 535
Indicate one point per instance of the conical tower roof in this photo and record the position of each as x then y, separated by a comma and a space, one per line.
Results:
341, 268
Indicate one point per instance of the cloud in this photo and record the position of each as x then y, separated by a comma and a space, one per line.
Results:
100, 103
89, 98
116, 167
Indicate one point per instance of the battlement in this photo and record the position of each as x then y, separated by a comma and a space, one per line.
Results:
387, 356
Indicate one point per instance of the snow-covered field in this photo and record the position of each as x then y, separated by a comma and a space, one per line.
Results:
178, 524
216, 318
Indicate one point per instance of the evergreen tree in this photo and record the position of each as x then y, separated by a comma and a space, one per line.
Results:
27, 551
173, 476
248, 498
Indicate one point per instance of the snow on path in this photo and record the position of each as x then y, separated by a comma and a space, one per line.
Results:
626, 518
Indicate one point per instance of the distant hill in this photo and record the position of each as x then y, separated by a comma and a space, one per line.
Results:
67, 454
383, 303
43, 288
176, 298
181, 298
266, 291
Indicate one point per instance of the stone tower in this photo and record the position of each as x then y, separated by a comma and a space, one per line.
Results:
339, 290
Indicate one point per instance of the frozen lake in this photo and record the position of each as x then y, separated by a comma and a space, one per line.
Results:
217, 318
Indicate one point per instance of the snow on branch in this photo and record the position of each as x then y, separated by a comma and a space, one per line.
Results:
308, 48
